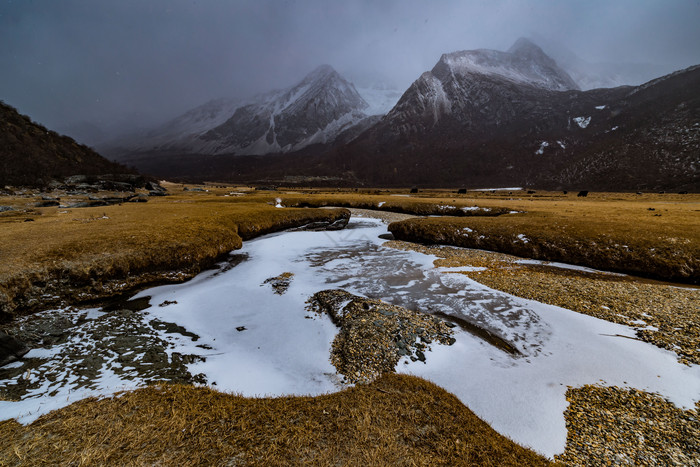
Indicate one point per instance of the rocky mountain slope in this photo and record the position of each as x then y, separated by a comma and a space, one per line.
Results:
482, 118
31, 155
315, 110
470, 125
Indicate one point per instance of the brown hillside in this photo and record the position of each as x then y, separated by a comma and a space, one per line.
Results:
32, 155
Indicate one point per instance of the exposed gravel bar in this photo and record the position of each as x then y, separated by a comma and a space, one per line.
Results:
374, 335
614, 426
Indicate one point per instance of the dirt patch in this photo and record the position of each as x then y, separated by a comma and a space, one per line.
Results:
280, 283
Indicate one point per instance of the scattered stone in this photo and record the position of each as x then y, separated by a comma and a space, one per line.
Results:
281, 283
168, 302
83, 347
374, 335
241, 328
611, 425
6, 208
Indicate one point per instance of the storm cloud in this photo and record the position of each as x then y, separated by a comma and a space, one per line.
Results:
140, 62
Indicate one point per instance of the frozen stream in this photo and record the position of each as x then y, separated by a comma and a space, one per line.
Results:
255, 342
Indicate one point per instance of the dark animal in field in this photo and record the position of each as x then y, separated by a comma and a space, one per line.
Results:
462, 191
414, 190
583, 193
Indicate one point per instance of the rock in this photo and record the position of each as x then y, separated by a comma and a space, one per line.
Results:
88, 204
339, 224
6, 208
46, 203
11, 349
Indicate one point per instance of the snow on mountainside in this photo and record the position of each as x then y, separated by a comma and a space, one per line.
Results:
479, 89
193, 122
379, 100
524, 63
316, 110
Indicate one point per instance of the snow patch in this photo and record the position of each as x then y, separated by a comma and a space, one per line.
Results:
543, 145
599, 107
583, 122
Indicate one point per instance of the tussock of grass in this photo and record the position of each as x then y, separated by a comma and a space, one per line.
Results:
95, 252
419, 206
611, 235
397, 420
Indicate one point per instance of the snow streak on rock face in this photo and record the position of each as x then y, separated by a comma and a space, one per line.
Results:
524, 63
314, 111
477, 88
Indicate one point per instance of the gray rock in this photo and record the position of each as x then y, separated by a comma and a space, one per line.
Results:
11, 349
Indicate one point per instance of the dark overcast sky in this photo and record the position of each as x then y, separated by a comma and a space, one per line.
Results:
64, 61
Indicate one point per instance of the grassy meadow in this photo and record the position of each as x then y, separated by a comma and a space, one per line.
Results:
68, 255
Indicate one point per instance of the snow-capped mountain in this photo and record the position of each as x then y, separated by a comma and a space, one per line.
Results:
315, 110
477, 88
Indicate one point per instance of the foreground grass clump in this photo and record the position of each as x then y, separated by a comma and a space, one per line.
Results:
397, 420
661, 242
78, 254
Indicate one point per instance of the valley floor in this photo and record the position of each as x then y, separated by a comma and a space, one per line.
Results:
605, 421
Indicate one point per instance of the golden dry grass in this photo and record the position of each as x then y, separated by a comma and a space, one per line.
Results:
616, 232
70, 253
397, 420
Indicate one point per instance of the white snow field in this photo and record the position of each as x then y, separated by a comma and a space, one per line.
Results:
265, 344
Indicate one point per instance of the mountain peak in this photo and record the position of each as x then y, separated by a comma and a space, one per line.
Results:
321, 72
524, 63
525, 47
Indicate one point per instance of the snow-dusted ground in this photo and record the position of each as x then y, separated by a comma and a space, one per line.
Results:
262, 343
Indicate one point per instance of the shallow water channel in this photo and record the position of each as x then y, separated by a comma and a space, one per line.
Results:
239, 331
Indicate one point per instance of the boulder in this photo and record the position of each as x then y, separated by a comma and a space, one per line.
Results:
11, 349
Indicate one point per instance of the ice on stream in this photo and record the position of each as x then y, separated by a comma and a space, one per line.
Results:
259, 343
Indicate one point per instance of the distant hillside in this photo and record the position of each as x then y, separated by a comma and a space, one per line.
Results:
31, 155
